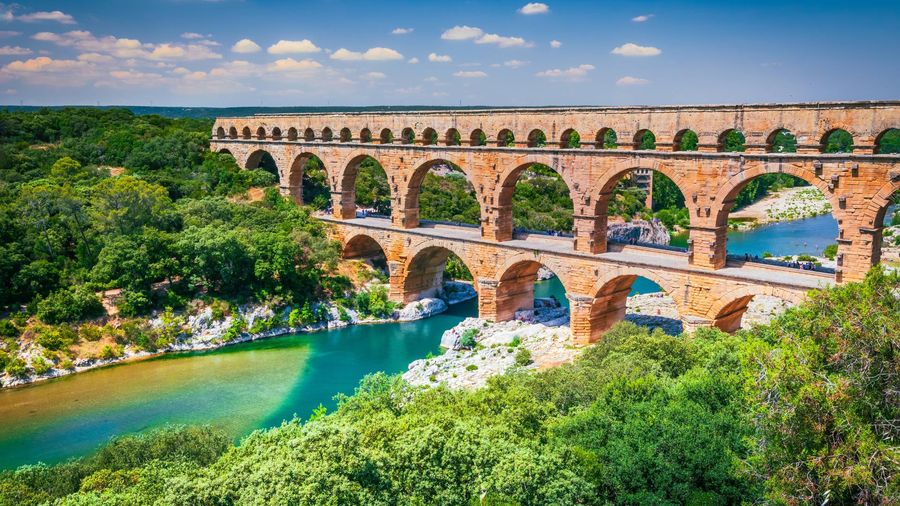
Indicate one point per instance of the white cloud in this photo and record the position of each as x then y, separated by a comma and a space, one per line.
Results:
555, 44
95, 58
192, 36
58, 16
514, 63
462, 33
534, 8
14, 51
374, 76
470, 74
136, 78
127, 48
293, 46
401, 31
413, 60
493, 38
372, 54
642, 18
573, 73
630, 49
631, 81
431, 79
439, 58
178, 52
245, 46
292, 65
42, 64
9, 33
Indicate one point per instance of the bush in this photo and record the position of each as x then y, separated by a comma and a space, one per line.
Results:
8, 329
69, 305
471, 367
830, 251
55, 338
90, 332
40, 365
109, 352
134, 303
17, 367
467, 339
523, 357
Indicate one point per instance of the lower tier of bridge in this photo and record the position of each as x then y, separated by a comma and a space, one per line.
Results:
596, 285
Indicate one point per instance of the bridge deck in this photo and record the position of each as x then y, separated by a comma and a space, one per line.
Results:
622, 255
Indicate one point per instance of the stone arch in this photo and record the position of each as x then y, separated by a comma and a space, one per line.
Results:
327, 135
262, 159
452, 137
346, 135
276, 134
606, 138
537, 138
728, 307
477, 138
429, 137
772, 139
226, 151
605, 184
292, 180
682, 138
386, 136
245, 133
423, 271
642, 137
515, 284
365, 135
505, 188
232, 133
409, 204
506, 138
364, 246
292, 134
610, 296
892, 134
838, 135
570, 139
309, 135
722, 143
220, 133
408, 136
261, 133
349, 171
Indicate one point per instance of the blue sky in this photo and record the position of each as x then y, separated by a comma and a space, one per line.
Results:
194, 52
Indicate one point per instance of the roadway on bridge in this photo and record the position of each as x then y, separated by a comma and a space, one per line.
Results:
627, 255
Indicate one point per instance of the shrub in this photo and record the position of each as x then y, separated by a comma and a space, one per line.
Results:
17, 367
830, 251
471, 367
516, 340
40, 365
766, 254
133, 303
523, 357
55, 338
69, 305
467, 340
109, 352
8, 329
90, 332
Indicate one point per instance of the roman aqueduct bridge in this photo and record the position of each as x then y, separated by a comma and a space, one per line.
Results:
493, 147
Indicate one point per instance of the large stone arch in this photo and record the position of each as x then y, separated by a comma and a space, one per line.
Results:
516, 277
345, 179
420, 273
291, 184
405, 196
730, 304
362, 245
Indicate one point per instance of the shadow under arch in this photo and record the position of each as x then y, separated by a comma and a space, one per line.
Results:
423, 272
366, 248
610, 299
728, 308
516, 286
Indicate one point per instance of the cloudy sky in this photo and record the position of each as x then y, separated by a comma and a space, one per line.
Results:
343, 52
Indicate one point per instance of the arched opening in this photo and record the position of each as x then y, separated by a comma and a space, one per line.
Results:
887, 220
506, 139
261, 159
637, 299
781, 141
232, 133
261, 133
442, 192
748, 309
408, 136
478, 138
309, 135
644, 140
606, 139
837, 140
365, 136
327, 135
313, 182
429, 137
370, 186
530, 291
246, 134
731, 141
371, 262
888, 142
226, 152
292, 134
686, 140
779, 219
346, 135
540, 201
276, 134
386, 136
452, 137
570, 139
429, 270
220, 133
537, 139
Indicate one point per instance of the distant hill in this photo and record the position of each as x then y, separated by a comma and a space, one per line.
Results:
212, 112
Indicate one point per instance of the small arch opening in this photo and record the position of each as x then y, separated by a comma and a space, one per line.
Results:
246, 133
386, 136
606, 139
220, 133
686, 140
570, 139
292, 134
309, 135
276, 134
644, 140
731, 141
781, 141
232, 133
327, 135
452, 137
261, 133
837, 141
346, 135
478, 138
537, 139
365, 136
888, 142
408, 136
506, 139
429, 137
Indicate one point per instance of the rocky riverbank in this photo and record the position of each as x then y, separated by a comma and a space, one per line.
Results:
477, 349
783, 205
205, 330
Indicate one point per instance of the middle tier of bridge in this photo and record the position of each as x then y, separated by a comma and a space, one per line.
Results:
597, 285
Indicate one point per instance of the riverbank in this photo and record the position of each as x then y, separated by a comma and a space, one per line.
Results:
477, 349
787, 204
207, 330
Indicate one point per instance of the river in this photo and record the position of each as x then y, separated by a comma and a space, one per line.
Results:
254, 385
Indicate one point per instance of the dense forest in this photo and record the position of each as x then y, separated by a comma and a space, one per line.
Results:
800, 411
